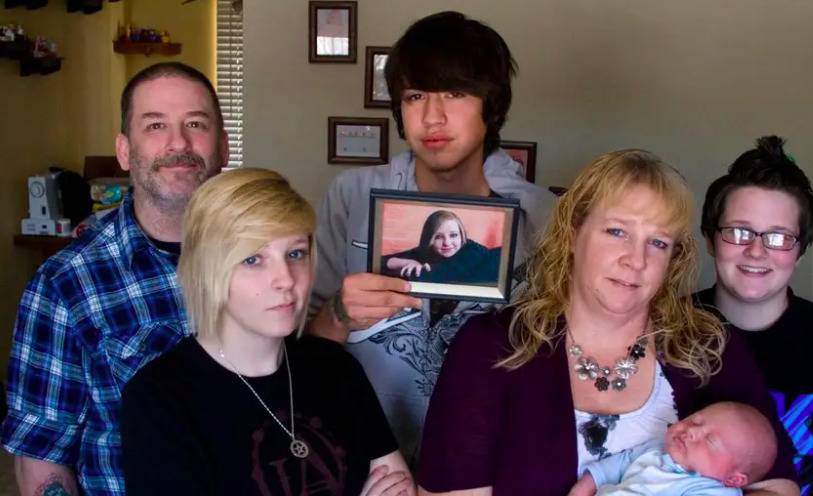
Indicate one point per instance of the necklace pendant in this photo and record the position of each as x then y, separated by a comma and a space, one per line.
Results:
299, 449
625, 368
575, 350
602, 383
619, 383
586, 369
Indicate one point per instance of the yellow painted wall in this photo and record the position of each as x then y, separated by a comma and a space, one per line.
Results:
191, 24
60, 118
51, 120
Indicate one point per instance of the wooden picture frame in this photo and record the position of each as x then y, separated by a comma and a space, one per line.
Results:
332, 32
376, 94
478, 268
523, 152
358, 140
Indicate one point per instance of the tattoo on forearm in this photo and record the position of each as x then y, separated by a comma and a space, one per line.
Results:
54, 486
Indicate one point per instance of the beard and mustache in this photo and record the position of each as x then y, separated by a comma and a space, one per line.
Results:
148, 181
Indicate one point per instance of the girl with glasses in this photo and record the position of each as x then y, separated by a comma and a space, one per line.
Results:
757, 221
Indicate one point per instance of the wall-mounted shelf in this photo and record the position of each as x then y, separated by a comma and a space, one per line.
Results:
146, 47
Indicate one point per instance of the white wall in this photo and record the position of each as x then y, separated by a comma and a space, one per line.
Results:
695, 81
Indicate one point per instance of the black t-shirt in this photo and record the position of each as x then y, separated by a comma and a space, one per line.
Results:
783, 352
190, 426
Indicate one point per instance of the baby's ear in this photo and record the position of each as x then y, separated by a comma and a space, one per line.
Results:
737, 479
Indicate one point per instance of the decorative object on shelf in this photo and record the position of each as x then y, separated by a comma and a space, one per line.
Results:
146, 47
236, 5
376, 94
29, 4
523, 152
357, 140
35, 57
147, 41
86, 6
332, 32
42, 60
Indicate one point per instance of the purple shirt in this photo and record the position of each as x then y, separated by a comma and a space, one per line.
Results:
515, 430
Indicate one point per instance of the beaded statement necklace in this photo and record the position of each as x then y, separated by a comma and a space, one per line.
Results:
604, 377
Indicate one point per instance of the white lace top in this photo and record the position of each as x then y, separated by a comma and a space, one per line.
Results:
599, 436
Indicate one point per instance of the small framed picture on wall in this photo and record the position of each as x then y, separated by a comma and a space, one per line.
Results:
376, 94
332, 32
357, 140
523, 152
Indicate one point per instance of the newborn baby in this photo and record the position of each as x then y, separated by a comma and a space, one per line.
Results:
715, 451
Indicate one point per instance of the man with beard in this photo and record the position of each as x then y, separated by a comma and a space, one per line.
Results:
100, 309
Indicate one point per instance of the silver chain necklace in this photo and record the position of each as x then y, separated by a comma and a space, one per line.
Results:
605, 377
298, 447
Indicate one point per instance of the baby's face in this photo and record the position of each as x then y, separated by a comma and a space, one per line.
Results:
708, 442
447, 238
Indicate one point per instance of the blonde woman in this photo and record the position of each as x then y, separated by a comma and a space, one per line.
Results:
244, 407
603, 352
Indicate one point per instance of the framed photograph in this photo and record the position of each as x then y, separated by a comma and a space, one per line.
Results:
447, 246
523, 152
376, 94
332, 32
358, 140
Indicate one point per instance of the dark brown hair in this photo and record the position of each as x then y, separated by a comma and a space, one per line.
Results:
448, 51
766, 166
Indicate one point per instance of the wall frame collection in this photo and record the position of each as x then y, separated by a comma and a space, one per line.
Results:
358, 140
376, 94
332, 32
523, 152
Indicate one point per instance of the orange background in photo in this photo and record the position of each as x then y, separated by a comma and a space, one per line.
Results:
402, 225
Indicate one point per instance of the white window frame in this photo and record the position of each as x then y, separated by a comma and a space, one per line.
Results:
229, 46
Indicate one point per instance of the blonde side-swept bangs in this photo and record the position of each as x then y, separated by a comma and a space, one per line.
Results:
229, 218
685, 336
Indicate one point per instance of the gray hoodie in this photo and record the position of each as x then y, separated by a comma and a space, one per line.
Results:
402, 355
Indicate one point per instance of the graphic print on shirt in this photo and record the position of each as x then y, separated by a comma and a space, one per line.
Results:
796, 414
407, 336
278, 473
595, 432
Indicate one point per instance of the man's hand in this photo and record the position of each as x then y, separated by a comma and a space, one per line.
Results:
363, 300
585, 486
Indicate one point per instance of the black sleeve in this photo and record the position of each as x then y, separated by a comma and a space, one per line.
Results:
160, 455
412, 253
371, 423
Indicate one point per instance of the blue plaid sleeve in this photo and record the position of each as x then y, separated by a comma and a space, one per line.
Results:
47, 394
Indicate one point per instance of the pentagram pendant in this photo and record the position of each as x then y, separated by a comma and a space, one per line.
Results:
299, 449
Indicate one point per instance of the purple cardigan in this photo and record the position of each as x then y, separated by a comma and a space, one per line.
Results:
516, 430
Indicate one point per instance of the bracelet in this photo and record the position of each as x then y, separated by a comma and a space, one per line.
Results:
339, 310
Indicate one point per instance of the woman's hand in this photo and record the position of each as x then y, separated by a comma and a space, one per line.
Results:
407, 267
382, 482
585, 486
414, 268
772, 487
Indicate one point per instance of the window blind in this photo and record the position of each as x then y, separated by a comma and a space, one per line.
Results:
230, 74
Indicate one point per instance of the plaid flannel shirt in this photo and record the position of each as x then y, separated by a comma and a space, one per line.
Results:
92, 315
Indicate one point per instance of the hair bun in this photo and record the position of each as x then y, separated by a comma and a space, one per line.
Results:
772, 146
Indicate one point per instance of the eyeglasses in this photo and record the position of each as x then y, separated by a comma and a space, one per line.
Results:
771, 240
